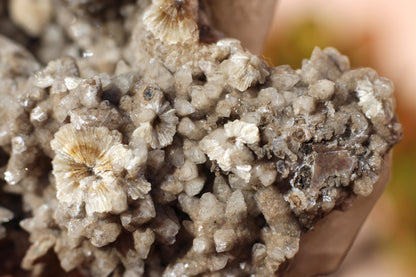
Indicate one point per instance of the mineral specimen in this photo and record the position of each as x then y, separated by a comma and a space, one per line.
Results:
5, 216
166, 155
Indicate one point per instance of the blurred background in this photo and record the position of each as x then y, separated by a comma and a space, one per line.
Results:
380, 34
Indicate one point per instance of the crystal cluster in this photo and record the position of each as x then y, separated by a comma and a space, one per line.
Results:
136, 154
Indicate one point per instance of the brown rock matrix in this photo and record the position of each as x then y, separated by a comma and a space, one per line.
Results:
141, 149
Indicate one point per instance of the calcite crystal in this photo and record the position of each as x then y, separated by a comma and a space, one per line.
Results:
146, 147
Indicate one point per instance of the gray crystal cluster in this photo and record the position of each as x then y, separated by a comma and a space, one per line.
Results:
141, 148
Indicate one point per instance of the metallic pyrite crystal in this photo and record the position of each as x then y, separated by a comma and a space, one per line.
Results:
154, 146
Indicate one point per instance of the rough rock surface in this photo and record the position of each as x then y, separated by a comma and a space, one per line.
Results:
139, 155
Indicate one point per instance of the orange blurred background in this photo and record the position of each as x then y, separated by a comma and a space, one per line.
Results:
380, 34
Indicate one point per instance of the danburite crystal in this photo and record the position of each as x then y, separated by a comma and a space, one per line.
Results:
140, 150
